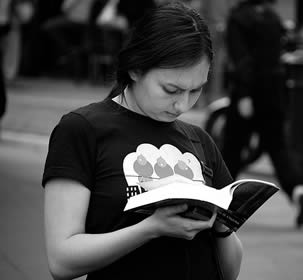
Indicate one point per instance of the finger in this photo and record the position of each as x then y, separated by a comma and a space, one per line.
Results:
213, 219
175, 209
205, 224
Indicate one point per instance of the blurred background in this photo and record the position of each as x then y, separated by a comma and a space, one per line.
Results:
58, 55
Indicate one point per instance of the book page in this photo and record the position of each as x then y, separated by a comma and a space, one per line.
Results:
251, 183
183, 190
248, 196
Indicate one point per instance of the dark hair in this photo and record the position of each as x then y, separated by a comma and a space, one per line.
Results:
170, 36
258, 2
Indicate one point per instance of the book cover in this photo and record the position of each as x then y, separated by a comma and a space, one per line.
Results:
234, 203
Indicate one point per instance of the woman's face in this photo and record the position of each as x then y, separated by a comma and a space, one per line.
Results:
164, 94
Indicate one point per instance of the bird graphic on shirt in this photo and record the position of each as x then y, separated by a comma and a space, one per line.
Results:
183, 169
162, 168
143, 167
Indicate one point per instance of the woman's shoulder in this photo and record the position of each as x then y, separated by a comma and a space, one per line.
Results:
90, 113
82, 116
94, 109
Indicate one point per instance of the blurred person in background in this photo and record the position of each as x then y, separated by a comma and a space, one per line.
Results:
135, 9
110, 22
67, 33
299, 15
20, 14
5, 18
254, 36
215, 12
37, 49
124, 12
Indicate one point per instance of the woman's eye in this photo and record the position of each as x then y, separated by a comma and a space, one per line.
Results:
198, 90
171, 91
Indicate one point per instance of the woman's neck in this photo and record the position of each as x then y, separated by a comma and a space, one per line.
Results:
126, 101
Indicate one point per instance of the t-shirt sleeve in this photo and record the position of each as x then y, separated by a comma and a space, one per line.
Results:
71, 151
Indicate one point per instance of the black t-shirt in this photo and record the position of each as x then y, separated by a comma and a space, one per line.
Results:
107, 148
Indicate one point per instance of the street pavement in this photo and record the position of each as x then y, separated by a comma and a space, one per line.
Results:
273, 248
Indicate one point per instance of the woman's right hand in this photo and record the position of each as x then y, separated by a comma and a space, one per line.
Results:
167, 221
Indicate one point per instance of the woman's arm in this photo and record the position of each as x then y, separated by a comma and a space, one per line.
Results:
72, 252
230, 252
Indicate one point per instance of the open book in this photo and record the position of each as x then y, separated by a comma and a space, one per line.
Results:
234, 203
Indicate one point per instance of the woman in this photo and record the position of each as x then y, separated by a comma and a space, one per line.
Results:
98, 153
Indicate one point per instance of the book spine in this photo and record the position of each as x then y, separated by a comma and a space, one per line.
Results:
231, 219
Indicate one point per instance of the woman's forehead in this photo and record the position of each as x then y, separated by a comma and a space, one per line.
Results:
193, 76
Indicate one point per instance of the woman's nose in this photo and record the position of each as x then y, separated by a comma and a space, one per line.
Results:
182, 103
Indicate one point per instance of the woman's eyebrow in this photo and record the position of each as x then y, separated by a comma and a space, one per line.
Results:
182, 88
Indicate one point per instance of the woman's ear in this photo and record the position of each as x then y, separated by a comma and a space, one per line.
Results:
134, 75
